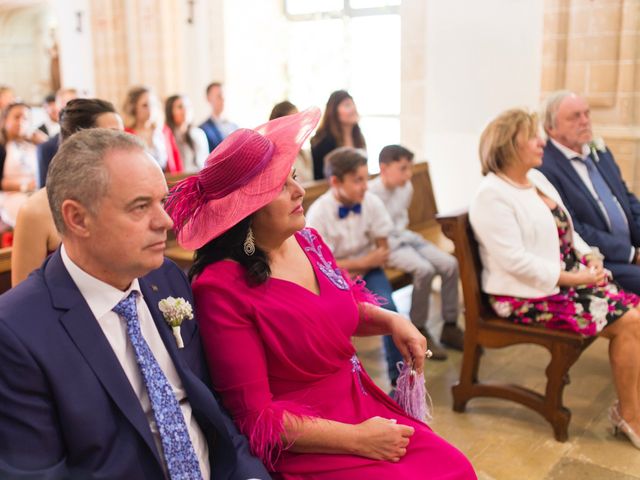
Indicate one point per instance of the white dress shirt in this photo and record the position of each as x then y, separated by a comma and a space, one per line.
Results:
102, 298
355, 235
583, 172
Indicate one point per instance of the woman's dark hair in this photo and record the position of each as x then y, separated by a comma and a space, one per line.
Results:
170, 122
230, 245
282, 109
330, 125
81, 113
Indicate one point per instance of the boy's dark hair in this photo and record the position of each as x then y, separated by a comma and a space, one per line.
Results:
343, 160
394, 153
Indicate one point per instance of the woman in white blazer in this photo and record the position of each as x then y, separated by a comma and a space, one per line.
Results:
537, 269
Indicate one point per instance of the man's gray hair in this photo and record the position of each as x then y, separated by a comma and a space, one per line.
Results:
78, 173
550, 107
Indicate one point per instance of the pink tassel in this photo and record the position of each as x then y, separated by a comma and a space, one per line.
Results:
266, 430
360, 292
185, 199
411, 394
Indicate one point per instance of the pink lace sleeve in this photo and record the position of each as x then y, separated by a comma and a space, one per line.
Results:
237, 364
339, 276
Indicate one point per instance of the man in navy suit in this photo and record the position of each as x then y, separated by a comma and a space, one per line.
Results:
216, 128
94, 383
604, 212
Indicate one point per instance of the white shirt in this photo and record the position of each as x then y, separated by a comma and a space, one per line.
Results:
583, 172
102, 298
396, 200
354, 235
193, 159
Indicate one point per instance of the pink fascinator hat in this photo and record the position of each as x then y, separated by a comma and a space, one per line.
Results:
242, 174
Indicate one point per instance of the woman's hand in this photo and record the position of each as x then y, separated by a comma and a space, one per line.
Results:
586, 276
410, 342
382, 439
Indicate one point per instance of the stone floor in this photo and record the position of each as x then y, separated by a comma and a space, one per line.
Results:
506, 441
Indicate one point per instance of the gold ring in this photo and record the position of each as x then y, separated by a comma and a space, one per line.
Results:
428, 354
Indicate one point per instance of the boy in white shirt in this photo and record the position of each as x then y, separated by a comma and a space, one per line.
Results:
355, 225
411, 253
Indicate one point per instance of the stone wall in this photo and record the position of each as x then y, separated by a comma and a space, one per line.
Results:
591, 47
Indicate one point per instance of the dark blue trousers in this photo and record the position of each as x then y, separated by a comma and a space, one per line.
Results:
378, 283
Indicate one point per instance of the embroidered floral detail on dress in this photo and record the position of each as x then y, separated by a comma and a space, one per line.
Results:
356, 369
333, 274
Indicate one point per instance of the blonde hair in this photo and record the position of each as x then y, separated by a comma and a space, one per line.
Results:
499, 140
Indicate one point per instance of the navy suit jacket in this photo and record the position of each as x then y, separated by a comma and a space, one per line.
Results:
46, 151
67, 409
213, 133
588, 219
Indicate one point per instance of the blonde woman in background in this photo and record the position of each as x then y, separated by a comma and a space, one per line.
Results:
537, 269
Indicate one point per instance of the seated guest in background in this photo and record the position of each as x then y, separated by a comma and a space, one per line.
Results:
7, 97
191, 140
355, 225
302, 165
50, 125
537, 269
95, 381
35, 235
605, 212
410, 252
142, 118
277, 316
216, 127
48, 149
338, 128
17, 161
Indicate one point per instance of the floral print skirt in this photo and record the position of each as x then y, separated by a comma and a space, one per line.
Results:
585, 310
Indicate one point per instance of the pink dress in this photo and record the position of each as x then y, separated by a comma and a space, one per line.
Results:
279, 347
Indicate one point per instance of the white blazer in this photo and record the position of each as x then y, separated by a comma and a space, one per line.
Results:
518, 237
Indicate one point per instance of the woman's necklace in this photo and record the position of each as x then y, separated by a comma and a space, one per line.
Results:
521, 186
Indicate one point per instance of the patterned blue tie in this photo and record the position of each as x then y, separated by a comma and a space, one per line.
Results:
616, 217
179, 454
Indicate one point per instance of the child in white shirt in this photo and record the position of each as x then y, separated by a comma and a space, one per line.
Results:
355, 225
411, 253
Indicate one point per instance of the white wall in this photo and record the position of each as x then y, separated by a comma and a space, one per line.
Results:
76, 49
481, 58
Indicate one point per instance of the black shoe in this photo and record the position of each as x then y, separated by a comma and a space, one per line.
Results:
452, 336
438, 351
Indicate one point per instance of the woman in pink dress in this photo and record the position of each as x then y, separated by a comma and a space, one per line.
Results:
276, 316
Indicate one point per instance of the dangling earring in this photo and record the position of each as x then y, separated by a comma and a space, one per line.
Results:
249, 244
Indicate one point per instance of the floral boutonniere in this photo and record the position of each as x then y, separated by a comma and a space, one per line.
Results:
175, 310
597, 145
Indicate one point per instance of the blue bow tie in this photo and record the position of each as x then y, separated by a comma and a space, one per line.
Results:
344, 211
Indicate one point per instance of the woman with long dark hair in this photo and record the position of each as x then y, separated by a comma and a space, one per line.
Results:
191, 141
338, 128
276, 317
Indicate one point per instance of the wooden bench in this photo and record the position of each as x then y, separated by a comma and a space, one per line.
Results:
422, 219
484, 329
